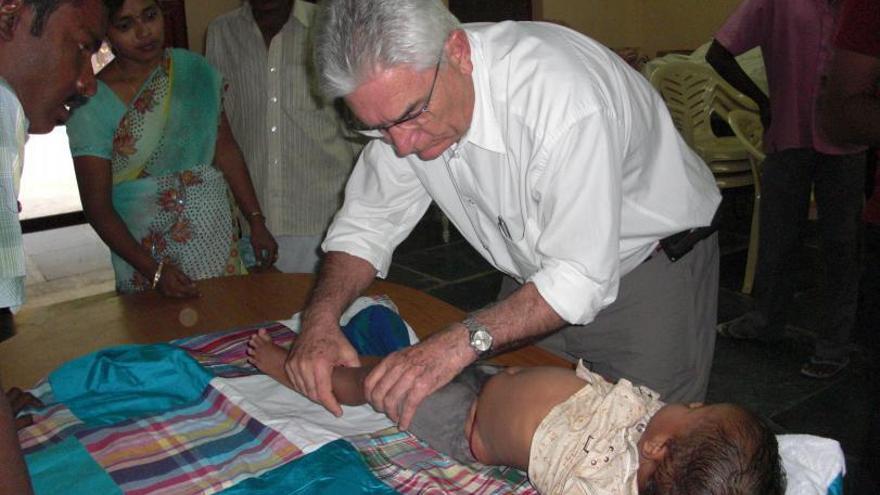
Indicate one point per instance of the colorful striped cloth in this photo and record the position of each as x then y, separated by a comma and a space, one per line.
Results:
211, 445
411, 467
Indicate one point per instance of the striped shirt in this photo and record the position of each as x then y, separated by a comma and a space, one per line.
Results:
297, 150
13, 134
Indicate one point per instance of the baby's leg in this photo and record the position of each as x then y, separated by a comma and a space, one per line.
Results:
268, 357
347, 383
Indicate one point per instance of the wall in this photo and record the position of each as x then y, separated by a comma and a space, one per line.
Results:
650, 25
199, 13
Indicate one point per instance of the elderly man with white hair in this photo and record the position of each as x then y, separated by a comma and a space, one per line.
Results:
554, 159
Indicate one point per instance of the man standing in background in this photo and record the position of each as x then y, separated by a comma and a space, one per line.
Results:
795, 38
294, 144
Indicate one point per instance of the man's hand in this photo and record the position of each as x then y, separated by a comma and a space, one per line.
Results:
319, 347
265, 247
398, 384
18, 400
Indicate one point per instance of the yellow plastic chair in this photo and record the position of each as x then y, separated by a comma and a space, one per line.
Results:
693, 92
747, 128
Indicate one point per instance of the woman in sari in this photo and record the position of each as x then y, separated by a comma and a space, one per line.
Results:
155, 161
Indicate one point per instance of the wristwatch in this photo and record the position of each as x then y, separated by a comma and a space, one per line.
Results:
479, 336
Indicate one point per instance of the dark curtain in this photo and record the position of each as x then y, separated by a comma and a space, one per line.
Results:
491, 10
175, 23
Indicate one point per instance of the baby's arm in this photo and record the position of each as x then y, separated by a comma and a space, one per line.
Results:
347, 383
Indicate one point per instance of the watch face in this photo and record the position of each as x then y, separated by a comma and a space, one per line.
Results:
481, 340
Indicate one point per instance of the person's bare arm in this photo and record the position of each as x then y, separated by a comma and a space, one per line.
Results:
403, 379
727, 67
321, 345
94, 179
229, 160
13, 471
850, 108
95, 182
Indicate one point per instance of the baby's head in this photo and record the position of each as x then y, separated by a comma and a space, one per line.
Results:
712, 450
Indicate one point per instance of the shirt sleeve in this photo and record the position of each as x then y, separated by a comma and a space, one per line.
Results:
91, 127
859, 27
384, 200
579, 247
746, 28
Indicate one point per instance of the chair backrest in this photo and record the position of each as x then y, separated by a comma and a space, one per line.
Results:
692, 92
683, 86
748, 129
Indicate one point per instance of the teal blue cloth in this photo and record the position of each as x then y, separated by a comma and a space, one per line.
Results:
836, 487
376, 331
128, 381
50, 470
334, 469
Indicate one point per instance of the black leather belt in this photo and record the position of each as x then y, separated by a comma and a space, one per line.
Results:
678, 245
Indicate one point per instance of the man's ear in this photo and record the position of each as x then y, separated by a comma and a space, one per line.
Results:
9, 14
655, 449
458, 51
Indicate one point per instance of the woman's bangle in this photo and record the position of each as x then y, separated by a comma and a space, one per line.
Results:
158, 274
256, 214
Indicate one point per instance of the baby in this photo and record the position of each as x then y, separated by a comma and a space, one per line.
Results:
574, 432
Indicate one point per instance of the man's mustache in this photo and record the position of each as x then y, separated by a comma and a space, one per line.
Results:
75, 102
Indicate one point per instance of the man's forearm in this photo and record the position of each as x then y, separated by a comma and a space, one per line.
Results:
849, 108
522, 317
342, 279
13, 472
728, 68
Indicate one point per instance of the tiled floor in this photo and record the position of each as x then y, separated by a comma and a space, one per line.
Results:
73, 263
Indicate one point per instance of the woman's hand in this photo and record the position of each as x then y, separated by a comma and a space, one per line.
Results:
174, 283
265, 247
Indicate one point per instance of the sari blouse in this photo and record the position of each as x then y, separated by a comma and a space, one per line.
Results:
175, 203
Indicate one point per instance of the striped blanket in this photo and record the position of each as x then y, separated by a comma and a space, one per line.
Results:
160, 419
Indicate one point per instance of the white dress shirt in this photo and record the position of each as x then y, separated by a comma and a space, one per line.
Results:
13, 135
569, 175
295, 146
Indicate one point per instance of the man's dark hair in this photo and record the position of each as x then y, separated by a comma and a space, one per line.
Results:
734, 455
42, 10
113, 6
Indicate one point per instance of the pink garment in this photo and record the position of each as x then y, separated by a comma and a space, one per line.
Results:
859, 31
795, 37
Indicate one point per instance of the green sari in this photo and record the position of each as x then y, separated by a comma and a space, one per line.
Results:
165, 187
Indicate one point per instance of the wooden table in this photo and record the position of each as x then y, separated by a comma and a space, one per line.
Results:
48, 336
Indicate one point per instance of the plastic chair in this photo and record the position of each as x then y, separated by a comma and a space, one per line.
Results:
747, 128
693, 92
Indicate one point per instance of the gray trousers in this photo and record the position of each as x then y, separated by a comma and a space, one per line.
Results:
659, 332
439, 420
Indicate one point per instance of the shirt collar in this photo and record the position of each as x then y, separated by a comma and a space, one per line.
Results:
304, 12
484, 130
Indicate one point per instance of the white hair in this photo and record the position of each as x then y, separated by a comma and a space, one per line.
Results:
356, 38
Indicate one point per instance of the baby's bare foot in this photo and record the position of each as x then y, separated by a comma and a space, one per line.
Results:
268, 357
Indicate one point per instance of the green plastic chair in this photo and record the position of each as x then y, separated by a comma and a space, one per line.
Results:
748, 129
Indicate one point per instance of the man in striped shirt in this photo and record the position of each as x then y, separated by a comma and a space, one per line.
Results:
296, 146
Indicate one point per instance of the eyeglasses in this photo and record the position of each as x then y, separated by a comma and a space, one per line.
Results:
382, 130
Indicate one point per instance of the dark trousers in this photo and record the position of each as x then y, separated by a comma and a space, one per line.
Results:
787, 179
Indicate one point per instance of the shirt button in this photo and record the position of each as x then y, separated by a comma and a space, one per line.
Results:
275, 162
274, 99
272, 69
274, 128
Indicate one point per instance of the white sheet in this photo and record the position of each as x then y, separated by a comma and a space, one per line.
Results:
811, 463
304, 423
